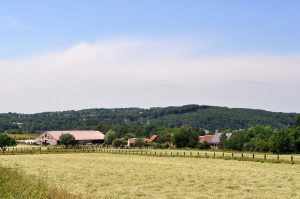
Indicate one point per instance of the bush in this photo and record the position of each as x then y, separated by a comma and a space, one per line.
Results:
118, 142
6, 141
204, 145
154, 145
67, 140
164, 146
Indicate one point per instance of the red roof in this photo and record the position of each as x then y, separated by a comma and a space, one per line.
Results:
205, 138
79, 135
152, 138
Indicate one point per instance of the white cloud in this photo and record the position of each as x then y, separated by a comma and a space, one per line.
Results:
128, 72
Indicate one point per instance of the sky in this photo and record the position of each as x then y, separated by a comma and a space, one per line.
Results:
69, 55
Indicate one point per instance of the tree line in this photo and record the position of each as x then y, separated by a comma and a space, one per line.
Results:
144, 121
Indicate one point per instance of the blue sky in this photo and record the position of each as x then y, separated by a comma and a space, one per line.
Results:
231, 26
203, 35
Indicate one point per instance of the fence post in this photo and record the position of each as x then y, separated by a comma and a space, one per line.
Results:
242, 155
205, 154
265, 156
214, 154
278, 157
253, 156
223, 155
292, 160
184, 153
231, 154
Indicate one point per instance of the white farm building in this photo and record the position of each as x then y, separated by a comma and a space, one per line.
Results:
81, 137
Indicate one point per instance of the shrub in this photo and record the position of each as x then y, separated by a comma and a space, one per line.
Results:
118, 142
67, 140
165, 146
6, 141
204, 145
154, 145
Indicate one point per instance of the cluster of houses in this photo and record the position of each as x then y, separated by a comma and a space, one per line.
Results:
96, 137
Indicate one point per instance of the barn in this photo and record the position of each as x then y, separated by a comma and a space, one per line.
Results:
81, 137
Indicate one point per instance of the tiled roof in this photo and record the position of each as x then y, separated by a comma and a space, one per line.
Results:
79, 135
206, 138
152, 138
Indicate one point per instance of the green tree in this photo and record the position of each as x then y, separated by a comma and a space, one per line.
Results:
128, 136
110, 136
67, 140
6, 141
297, 122
185, 136
280, 142
118, 142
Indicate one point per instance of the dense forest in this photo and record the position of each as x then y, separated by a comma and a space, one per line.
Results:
144, 121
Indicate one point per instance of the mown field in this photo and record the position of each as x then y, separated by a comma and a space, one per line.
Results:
23, 136
124, 176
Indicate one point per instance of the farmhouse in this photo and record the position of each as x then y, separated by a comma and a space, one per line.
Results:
81, 137
213, 140
132, 141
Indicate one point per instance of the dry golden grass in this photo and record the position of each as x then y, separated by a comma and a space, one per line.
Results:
128, 176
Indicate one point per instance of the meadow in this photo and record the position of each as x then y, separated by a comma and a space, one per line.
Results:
104, 175
23, 136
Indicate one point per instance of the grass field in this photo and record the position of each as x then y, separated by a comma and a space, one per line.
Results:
23, 136
15, 185
124, 176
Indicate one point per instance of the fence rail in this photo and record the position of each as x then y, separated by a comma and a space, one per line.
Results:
293, 159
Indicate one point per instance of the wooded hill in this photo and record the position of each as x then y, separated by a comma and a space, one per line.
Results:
139, 120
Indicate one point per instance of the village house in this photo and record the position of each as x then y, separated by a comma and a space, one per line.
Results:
132, 141
81, 137
213, 140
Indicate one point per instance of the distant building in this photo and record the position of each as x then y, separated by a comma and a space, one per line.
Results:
81, 137
213, 140
205, 138
132, 141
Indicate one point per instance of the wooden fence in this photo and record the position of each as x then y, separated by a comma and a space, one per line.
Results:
158, 153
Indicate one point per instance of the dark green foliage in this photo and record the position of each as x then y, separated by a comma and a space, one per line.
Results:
144, 122
6, 141
110, 136
204, 145
119, 142
185, 136
128, 136
280, 142
67, 140
297, 123
164, 146
154, 145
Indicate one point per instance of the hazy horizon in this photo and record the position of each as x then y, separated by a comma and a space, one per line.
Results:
65, 55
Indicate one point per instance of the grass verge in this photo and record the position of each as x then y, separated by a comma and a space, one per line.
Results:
13, 184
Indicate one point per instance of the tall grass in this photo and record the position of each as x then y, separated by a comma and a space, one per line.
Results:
15, 185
